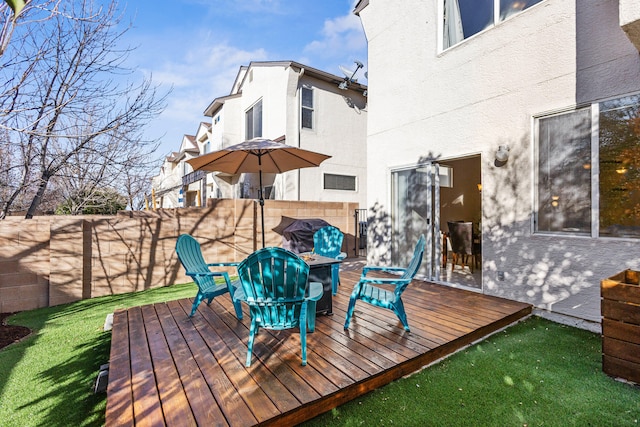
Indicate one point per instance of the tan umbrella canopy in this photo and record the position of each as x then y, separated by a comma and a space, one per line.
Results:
256, 156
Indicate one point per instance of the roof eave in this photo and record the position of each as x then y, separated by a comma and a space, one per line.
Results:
360, 6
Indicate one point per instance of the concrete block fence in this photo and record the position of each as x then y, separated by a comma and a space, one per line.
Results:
46, 261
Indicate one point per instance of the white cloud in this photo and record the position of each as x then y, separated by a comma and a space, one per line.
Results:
217, 63
340, 36
204, 72
199, 60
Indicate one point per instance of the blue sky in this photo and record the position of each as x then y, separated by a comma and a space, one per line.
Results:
197, 46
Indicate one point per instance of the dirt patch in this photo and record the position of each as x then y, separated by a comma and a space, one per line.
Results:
11, 333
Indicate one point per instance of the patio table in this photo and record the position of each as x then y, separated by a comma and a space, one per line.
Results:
320, 271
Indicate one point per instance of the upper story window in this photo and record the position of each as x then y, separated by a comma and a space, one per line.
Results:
307, 107
254, 121
588, 172
339, 182
464, 18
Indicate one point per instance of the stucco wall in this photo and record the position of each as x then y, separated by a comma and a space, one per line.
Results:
54, 260
484, 93
340, 131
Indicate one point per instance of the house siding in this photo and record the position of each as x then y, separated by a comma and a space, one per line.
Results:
485, 92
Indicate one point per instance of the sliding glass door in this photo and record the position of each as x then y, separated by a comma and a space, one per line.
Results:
416, 203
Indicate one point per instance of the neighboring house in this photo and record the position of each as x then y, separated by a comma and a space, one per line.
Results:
531, 111
169, 190
194, 188
168, 183
300, 106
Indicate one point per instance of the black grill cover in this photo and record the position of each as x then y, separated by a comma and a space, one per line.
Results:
298, 236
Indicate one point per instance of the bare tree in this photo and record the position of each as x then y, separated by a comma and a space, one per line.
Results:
9, 13
126, 168
27, 14
15, 153
68, 111
136, 181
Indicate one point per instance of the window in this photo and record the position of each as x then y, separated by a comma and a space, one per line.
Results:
339, 182
307, 107
269, 192
564, 184
573, 153
254, 121
464, 18
619, 167
412, 208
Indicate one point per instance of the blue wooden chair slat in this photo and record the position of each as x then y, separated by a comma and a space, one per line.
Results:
190, 256
279, 296
365, 290
327, 241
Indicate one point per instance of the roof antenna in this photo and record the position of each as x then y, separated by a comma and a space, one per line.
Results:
349, 76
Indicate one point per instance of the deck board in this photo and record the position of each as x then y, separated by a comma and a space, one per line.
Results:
147, 407
169, 369
119, 407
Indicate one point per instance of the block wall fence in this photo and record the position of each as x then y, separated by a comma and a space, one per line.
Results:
47, 261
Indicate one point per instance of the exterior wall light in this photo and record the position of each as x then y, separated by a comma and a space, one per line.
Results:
502, 155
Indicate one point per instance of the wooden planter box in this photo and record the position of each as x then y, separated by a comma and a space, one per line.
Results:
621, 325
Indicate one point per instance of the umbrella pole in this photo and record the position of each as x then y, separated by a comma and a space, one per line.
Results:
261, 199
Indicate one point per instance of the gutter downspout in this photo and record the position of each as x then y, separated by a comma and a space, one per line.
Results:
299, 108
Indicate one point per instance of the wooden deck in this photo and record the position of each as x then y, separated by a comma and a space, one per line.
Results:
167, 369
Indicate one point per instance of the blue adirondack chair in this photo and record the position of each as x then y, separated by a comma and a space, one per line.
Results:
327, 241
366, 291
278, 293
190, 255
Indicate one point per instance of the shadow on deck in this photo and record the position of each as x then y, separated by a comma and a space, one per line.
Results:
168, 369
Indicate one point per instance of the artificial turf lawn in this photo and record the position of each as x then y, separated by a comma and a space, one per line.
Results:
536, 373
47, 379
532, 374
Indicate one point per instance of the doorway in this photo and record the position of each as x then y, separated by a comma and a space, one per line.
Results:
425, 198
415, 192
462, 203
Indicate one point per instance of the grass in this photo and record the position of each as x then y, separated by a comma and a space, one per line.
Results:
534, 373
47, 379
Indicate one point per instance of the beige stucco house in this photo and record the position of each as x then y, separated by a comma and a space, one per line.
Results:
529, 111
168, 190
295, 104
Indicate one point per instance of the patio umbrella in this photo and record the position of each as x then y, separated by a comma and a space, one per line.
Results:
256, 156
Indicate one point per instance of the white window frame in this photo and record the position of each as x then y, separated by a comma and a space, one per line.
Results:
496, 21
251, 110
355, 182
536, 170
310, 109
595, 172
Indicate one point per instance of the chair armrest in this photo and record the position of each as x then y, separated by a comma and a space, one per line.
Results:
382, 281
223, 264
342, 256
368, 268
230, 284
315, 291
208, 273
